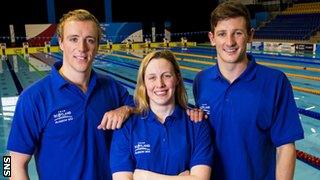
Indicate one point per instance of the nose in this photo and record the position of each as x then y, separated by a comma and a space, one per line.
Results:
83, 46
160, 82
230, 40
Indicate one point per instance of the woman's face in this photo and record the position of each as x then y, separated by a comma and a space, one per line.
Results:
160, 81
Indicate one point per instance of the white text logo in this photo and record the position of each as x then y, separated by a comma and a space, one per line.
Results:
62, 116
141, 147
205, 108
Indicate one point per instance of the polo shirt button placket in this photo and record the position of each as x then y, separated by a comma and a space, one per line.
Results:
227, 94
165, 134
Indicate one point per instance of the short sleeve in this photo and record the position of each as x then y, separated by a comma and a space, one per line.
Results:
203, 146
126, 98
120, 154
286, 127
25, 129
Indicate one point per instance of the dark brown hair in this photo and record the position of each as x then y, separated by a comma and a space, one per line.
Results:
230, 9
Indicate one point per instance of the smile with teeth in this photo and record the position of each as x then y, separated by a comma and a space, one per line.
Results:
230, 50
80, 57
161, 93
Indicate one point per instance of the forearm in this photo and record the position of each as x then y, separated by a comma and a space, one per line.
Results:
19, 173
286, 159
122, 176
199, 172
19, 166
129, 109
156, 176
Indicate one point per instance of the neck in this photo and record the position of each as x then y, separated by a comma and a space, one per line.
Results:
162, 112
79, 79
231, 71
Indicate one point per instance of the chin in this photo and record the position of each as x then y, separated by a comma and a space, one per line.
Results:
231, 59
84, 67
162, 102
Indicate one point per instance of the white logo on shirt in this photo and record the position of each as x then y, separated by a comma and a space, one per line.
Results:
141, 147
62, 116
205, 107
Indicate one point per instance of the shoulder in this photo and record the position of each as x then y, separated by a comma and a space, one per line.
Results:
205, 75
206, 72
196, 126
131, 122
265, 71
201, 126
108, 81
40, 87
273, 77
105, 78
273, 80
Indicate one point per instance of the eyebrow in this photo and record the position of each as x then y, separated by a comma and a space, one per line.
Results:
71, 36
231, 30
224, 30
161, 73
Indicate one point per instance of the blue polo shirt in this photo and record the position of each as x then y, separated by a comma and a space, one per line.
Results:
169, 148
57, 122
249, 118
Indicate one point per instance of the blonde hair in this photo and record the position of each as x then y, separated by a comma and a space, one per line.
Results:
140, 95
78, 15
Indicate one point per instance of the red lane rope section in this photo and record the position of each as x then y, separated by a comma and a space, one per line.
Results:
309, 159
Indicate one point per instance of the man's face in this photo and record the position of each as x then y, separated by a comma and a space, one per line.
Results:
79, 45
230, 38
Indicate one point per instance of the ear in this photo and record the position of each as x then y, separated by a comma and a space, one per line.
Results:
211, 38
179, 80
60, 43
250, 36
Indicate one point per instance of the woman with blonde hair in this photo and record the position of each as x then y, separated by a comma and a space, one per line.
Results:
159, 140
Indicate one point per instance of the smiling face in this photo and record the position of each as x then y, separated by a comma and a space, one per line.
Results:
160, 81
79, 45
230, 37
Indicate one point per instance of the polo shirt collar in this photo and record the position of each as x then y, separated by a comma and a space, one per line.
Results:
214, 72
250, 71
177, 114
247, 75
57, 79
60, 82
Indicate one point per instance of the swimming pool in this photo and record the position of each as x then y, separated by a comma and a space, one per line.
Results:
19, 72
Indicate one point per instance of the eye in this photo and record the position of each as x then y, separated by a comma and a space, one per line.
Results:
91, 40
222, 34
73, 39
167, 76
151, 78
239, 33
